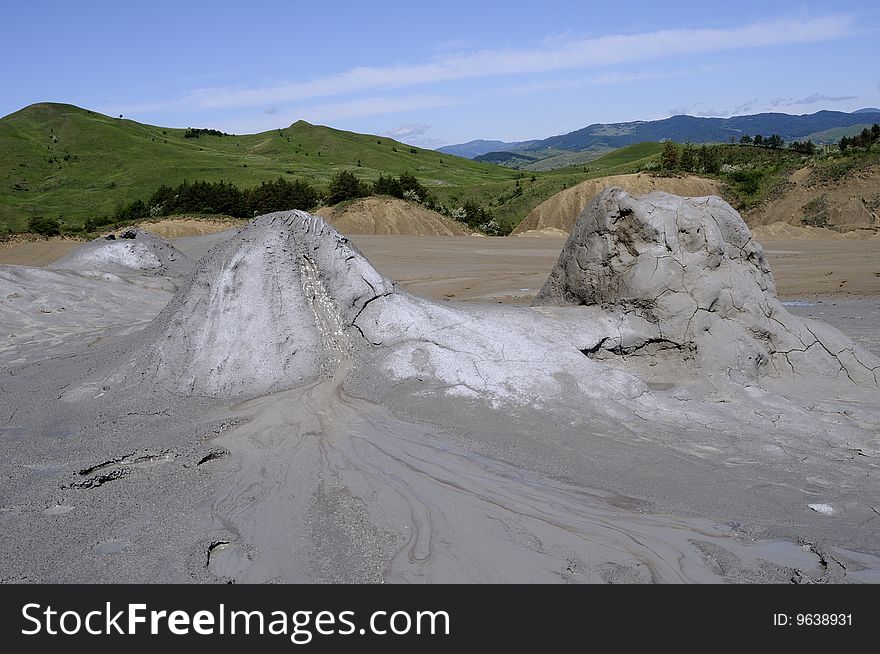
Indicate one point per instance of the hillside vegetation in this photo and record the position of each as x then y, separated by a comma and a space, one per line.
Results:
61, 162
584, 144
837, 188
65, 169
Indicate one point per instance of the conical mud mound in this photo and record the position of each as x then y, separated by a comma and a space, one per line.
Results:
685, 274
270, 308
134, 251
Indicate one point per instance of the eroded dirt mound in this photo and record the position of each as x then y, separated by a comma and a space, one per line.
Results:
561, 210
847, 204
384, 216
180, 226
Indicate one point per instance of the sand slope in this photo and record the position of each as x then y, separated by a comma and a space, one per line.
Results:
384, 215
561, 210
181, 226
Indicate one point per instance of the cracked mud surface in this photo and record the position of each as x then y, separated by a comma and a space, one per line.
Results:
289, 414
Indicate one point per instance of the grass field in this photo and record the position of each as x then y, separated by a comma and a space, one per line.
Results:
61, 161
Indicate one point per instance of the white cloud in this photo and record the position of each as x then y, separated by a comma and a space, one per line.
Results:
324, 113
410, 129
413, 134
551, 55
610, 77
756, 106
813, 98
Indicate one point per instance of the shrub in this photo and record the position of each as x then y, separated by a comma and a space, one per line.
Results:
388, 186
346, 186
747, 181
192, 133
816, 212
281, 195
475, 216
44, 226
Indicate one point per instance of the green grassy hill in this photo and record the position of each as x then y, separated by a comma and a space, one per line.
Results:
57, 160
60, 160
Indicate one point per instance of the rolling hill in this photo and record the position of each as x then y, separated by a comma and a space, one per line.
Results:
585, 144
58, 160
61, 160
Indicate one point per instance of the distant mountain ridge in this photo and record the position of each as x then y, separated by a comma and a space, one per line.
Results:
601, 137
473, 149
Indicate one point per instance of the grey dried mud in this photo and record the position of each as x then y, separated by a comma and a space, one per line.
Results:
660, 417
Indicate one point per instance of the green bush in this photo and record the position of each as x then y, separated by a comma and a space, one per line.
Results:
281, 195
44, 226
747, 181
816, 212
388, 186
346, 186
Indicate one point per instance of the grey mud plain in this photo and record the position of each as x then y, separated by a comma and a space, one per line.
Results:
264, 405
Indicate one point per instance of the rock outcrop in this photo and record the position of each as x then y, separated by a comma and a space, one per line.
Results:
685, 274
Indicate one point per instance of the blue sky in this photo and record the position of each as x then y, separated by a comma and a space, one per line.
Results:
438, 73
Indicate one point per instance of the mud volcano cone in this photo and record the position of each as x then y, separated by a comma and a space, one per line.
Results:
689, 270
271, 308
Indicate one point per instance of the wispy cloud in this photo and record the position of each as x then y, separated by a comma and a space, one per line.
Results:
813, 98
755, 105
414, 134
327, 113
698, 109
322, 113
609, 77
552, 54
408, 130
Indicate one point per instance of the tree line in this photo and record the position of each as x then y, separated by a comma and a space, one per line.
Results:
214, 197
865, 139
687, 158
773, 141
280, 195
196, 132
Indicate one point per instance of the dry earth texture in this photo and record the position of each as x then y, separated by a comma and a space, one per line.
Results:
561, 210
385, 215
281, 411
849, 203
